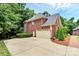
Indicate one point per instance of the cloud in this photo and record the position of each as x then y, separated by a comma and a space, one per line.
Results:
60, 7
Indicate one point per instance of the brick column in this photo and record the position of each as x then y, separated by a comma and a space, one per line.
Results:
25, 27
51, 31
34, 31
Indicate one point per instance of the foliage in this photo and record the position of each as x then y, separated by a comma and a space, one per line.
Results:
69, 24
46, 13
77, 23
62, 20
3, 49
12, 17
61, 33
23, 35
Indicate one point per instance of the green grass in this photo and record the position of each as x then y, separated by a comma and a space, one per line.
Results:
23, 35
77, 37
3, 49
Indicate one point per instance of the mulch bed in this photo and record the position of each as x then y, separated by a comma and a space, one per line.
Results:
65, 42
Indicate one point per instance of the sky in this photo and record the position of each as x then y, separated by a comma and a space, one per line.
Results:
67, 10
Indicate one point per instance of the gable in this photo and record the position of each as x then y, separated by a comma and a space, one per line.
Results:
36, 17
51, 20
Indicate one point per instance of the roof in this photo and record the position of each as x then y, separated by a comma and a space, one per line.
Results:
36, 17
76, 28
51, 20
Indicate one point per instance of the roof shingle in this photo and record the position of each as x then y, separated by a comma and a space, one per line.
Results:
51, 20
36, 17
76, 28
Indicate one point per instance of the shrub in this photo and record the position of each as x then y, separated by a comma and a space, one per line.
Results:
61, 33
23, 35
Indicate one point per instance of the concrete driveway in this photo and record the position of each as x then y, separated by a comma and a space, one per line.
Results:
38, 47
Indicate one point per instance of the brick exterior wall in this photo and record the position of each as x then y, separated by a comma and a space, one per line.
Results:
76, 32
46, 28
29, 27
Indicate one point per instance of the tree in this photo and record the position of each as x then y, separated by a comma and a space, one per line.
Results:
26, 14
70, 24
8, 20
63, 20
77, 23
46, 13
12, 17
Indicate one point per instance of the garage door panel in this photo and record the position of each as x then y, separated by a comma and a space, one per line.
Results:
43, 34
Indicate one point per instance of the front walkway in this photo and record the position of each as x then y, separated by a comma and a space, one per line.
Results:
74, 42
38, 47
73, 48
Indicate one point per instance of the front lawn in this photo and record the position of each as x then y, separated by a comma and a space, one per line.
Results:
77, 37
3, 49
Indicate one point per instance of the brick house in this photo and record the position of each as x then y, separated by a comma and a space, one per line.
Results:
43, 26
76, 31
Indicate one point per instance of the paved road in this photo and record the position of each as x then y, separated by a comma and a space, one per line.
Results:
38, 47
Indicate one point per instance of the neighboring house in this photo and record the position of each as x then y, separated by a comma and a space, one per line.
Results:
76, 31
43, 26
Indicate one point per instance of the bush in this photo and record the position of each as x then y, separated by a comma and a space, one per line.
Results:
23, 35
61, 33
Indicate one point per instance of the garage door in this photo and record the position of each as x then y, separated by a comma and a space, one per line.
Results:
43, 34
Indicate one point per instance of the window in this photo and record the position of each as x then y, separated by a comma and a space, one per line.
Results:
33, 23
